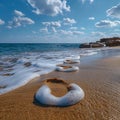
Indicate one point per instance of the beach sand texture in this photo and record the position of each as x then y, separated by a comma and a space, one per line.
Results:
99, 80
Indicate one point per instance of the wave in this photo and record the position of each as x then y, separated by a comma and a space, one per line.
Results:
18, 69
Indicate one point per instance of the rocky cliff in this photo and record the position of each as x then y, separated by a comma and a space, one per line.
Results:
109, 42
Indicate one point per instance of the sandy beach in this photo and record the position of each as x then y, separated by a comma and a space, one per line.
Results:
59, 60
100, 81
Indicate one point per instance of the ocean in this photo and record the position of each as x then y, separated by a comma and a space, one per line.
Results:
19, 63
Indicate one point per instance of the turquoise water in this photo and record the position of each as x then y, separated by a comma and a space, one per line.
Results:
39, 47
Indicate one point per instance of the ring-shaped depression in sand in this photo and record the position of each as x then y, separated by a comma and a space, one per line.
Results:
63, 68
73, 96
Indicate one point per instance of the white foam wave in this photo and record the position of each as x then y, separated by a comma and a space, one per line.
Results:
88, 53
14, 73
71, 69
73, 96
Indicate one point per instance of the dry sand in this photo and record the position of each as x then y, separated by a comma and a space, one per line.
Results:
100, 81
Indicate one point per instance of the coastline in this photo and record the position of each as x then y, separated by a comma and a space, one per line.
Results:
18, 70
99, 80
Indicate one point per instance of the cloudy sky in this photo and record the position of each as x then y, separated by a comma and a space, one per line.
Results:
51, 21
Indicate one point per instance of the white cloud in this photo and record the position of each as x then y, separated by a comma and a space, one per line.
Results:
19, 20
65, 32
91, 18
78, 33
54, 30
44, 30
114, 11
101, 34
18, 13
2, 22
52, 24
69, 32
107, 23
82, 28
49, 7
91, 1
73, 28
9, 27
68, 21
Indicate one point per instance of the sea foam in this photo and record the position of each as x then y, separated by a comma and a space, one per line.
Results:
74, 95
14, 73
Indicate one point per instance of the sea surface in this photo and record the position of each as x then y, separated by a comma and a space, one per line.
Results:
19, 63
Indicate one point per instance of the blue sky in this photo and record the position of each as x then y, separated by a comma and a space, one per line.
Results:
58, 21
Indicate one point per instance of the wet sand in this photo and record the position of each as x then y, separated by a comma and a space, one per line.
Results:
100, 81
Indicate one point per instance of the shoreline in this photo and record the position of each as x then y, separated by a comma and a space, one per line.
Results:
99, 80
21, 77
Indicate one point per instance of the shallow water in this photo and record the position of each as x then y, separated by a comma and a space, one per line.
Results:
19, 63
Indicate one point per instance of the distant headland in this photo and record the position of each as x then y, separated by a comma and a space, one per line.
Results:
104, 42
